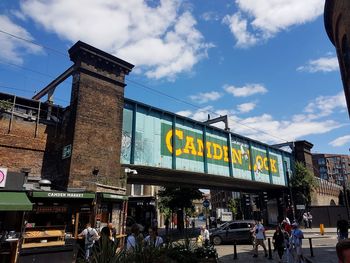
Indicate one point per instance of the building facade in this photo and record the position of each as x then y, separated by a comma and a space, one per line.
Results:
334, 168
337, 24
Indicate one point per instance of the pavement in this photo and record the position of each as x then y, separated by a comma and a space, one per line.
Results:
323, 249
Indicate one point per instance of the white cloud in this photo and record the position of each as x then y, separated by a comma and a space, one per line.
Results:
160, 39
266, 128
340, 141
246, 107
245, 91
260, 20
324, 106
204, 97
238, 27
12, 49
210, 16
324, 64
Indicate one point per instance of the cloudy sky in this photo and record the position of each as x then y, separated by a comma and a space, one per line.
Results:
267, 64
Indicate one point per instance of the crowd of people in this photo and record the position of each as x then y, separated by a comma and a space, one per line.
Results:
134, 241
287, 239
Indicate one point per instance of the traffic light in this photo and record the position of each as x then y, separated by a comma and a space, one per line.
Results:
247, 200
265, 197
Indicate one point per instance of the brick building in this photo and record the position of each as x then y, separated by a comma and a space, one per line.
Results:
332, 167
77, 147
337, 24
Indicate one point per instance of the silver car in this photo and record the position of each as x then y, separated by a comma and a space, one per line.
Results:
239, 230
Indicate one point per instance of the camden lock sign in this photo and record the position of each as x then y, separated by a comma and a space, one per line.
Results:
189, 145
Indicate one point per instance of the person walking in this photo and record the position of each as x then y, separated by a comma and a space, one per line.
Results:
305, 220
166, 223
278, 242
153, 240
134, 241
205, 235
342, 228
91, 236
296, 242
309, 219
260, 237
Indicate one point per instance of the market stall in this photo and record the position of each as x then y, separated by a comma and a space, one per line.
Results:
12, 207
51, 229
112, 208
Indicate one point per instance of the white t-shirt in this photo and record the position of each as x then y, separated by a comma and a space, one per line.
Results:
259, 231
93, 233
205, 234
157, 243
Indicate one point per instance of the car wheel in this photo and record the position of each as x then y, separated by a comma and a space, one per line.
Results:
217, 240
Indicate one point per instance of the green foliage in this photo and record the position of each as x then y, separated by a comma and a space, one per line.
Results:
178, 198
233, 205
302, 183
186, 251
5, 105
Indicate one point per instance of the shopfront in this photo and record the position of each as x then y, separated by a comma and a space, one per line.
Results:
51, 228
112, 208
12, 208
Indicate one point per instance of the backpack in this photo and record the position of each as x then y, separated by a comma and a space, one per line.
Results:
89, 237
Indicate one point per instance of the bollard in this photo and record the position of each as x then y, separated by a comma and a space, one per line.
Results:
235, 250
269, 244
322, 229
311, 249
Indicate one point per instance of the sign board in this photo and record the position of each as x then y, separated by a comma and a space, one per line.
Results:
226, 216
162, 142
206, 203
3, 175
300, 207
62, 195
67, 151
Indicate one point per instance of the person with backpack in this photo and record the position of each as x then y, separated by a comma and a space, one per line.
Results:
296, 242
91, 236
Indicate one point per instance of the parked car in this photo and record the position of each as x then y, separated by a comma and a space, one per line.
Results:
239, 230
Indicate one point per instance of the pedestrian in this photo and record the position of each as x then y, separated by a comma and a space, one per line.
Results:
305, 220
205, 236
309, 219
134, 240
91, 236
287, 220
343, 251
153, 240
113, 232
296, 242
193, 223
166, 223
289, 252
260, 237
342, 228
278, 242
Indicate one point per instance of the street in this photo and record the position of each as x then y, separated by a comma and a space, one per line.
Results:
323, 249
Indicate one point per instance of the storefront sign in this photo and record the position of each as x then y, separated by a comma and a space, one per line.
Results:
3, 175
63, 195
114, 196
51, 209
67, 151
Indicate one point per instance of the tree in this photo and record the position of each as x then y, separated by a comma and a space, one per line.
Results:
233, 206
302, 183
177, 199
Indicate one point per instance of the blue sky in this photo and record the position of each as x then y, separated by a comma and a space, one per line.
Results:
268, 64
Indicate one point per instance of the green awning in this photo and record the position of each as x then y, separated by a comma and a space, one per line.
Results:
15, 201
114, 196
61, 195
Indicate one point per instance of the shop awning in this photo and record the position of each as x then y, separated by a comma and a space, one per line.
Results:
61, 195
114, 196
15, 201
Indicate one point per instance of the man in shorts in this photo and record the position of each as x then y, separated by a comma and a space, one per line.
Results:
296, 241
